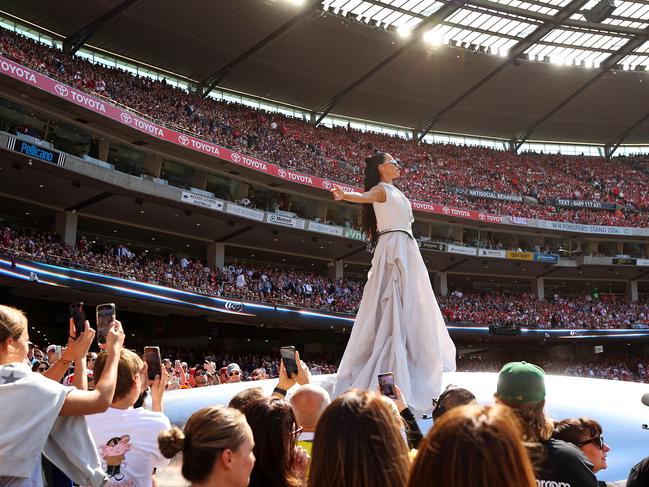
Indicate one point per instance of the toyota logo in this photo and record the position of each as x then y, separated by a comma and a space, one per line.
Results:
234, 306
446, 210
281, 173
183, 139
326, 184
481, 216
235, 157
126, 117
61, 90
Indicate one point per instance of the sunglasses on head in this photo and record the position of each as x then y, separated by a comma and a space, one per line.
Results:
598, 440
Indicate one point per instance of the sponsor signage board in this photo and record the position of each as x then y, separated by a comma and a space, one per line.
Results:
285, 221
512, 254
203, 201
457, 249
323, 228
245, 212
499, 254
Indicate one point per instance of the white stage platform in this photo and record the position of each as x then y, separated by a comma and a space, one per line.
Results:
616, 405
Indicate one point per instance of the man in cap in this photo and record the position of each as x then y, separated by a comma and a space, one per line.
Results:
234, 373
521, 386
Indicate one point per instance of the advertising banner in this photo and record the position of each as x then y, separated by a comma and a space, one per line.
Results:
245, 212
511, 254
547, 258
456, 249
483, 193
431, 245
624, 261
499, 254
285, 221
322, 228
203, 201
593, 205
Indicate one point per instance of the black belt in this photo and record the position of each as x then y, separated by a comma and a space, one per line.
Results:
394, 231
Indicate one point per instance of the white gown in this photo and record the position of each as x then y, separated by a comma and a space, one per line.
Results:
399, 327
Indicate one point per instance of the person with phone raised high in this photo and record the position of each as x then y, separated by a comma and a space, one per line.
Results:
52, 413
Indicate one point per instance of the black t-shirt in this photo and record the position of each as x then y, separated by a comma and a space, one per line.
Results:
564, 465
639, 475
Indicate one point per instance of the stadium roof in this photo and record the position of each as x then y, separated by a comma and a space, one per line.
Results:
513, 69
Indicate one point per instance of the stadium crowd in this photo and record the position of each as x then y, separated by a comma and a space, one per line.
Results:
437, 173
290, 287
106, 433
247, 282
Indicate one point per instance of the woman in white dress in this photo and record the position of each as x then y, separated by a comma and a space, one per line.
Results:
399, 327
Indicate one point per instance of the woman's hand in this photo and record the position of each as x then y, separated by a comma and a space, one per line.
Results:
337, 193
301, 465
78, 346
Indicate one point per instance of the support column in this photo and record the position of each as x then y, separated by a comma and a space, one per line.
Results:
538, 288
593, 247
199, 181
631, 291
323, 207
620, 247
102, 150
216, 254
66, 227
340, 269
152, 165
440, 284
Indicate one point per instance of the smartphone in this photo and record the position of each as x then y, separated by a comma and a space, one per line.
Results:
58, 351
386, 385
105, 316
79, 318
153, 361
288, 357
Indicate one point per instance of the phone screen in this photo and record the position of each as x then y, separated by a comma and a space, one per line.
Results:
386, 385
153, 361
105, 316
288, 357
79, 318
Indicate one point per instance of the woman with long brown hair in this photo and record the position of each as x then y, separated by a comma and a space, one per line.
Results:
399, 326
358, 443
280, 462
473, 446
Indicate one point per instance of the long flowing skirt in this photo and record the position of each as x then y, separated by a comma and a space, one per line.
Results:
399, 327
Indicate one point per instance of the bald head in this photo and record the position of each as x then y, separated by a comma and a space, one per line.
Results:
308, 403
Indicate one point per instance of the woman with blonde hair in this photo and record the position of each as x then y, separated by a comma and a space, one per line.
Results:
216, 444
358, 443
52, 413
473, 446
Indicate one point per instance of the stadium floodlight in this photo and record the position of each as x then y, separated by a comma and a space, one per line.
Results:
433, 36
404, 31
298, 3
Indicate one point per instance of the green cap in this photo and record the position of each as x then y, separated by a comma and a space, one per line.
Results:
521, 382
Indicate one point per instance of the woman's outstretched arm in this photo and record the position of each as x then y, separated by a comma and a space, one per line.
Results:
374, 195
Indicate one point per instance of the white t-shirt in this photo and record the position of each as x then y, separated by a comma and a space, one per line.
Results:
127, 442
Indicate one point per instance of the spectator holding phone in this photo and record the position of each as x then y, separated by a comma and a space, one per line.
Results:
126, 437
51, 412
286, 380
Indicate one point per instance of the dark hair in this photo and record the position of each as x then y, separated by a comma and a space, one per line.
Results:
576, 430
451, 398
272, 422
242, 398
357, 443
207, 433
372, 178
473, 446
